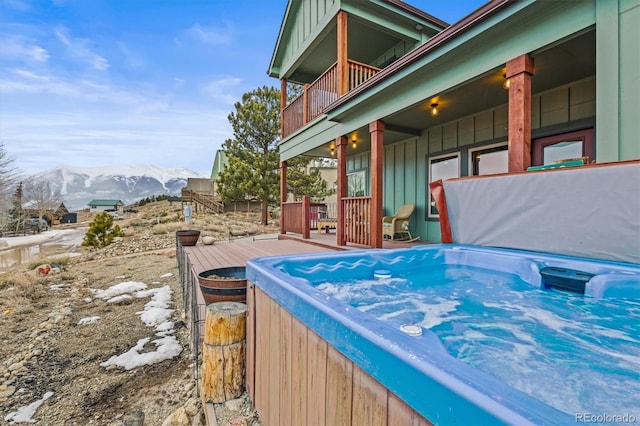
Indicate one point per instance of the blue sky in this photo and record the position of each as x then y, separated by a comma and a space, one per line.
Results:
89, 83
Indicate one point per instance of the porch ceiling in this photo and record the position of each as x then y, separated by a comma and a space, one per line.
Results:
573, 59
569, 61
366, 43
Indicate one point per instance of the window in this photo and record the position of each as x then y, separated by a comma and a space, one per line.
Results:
356, 183
489, 160
563, 147
442, 167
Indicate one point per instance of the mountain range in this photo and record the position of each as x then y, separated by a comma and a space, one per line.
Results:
128, 183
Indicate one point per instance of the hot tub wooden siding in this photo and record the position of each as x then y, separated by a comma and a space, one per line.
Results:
295, 378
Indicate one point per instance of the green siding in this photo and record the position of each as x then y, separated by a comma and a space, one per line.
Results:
629, 79
618, 92
309, 20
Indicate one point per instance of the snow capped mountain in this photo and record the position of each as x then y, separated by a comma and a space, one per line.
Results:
129, 183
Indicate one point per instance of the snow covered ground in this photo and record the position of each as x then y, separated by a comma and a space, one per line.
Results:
72, 236
156, 314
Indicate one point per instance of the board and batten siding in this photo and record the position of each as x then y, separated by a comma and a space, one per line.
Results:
311, 17
406, 162
294, 377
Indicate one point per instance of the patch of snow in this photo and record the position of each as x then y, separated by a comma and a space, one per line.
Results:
25, 414
166, 348
88, 320
118, 289
157, 310
57, 286
155, 314
118, 299
168, 274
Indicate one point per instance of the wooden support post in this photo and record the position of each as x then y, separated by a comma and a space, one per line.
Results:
223, 352
306, 217
283, 194
283, 104
341, 147
343, 66
376, 128
519, 72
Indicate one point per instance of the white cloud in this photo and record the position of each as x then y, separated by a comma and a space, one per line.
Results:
16, 47
220, 88
211, 35
80, 50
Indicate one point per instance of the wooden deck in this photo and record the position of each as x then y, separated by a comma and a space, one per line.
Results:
195, 259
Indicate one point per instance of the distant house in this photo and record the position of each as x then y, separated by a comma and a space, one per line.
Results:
105, 205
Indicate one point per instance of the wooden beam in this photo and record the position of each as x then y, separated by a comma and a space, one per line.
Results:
376, 129
283, 193
519, 72
341, 146
283, 104
343, 66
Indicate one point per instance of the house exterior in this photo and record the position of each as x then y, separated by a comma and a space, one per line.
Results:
402, 99
105, 205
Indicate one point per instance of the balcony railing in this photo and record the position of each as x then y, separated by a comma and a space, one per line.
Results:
321, 93
357, 212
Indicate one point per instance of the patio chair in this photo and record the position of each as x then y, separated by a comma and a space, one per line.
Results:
398, 224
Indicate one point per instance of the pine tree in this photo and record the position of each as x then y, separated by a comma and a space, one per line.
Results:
302, 182
252, 171
101, 231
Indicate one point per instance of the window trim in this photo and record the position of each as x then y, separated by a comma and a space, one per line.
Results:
430, 161
472, 151
586, 135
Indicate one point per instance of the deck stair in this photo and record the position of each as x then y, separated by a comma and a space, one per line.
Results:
205, 201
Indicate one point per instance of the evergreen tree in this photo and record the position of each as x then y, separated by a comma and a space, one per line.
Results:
300, 182
16, 214
101, 231
252, 171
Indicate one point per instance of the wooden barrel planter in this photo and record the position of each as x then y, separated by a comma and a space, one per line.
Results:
223, 284
188, 237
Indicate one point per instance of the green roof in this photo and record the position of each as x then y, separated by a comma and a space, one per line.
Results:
95, 203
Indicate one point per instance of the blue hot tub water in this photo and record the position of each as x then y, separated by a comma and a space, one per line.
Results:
505, 347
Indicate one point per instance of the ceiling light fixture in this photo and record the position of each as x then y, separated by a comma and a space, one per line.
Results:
434, 109
506, 83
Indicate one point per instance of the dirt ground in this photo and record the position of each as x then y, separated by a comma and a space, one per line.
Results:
45, 348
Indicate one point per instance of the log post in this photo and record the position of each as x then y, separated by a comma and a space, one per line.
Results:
223, 352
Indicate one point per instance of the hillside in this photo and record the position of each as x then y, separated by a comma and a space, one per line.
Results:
69, 338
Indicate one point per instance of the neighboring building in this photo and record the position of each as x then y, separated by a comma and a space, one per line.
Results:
105, 205
219, 164
403, 99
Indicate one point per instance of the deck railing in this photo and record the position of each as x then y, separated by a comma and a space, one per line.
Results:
357, 211
321, 93
301, 217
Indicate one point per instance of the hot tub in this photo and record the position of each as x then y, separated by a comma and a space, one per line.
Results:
473, 335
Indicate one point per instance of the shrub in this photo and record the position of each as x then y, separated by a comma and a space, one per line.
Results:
101, 231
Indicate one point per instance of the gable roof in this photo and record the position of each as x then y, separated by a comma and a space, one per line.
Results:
95, 203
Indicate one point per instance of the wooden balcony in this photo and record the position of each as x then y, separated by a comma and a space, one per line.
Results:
321, 93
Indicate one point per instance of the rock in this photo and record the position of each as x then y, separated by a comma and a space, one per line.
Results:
178, 418
135, 418
7, 391
16, 366
234, 404
192, 406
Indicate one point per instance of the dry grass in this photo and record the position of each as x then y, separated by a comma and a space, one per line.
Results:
26, 287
